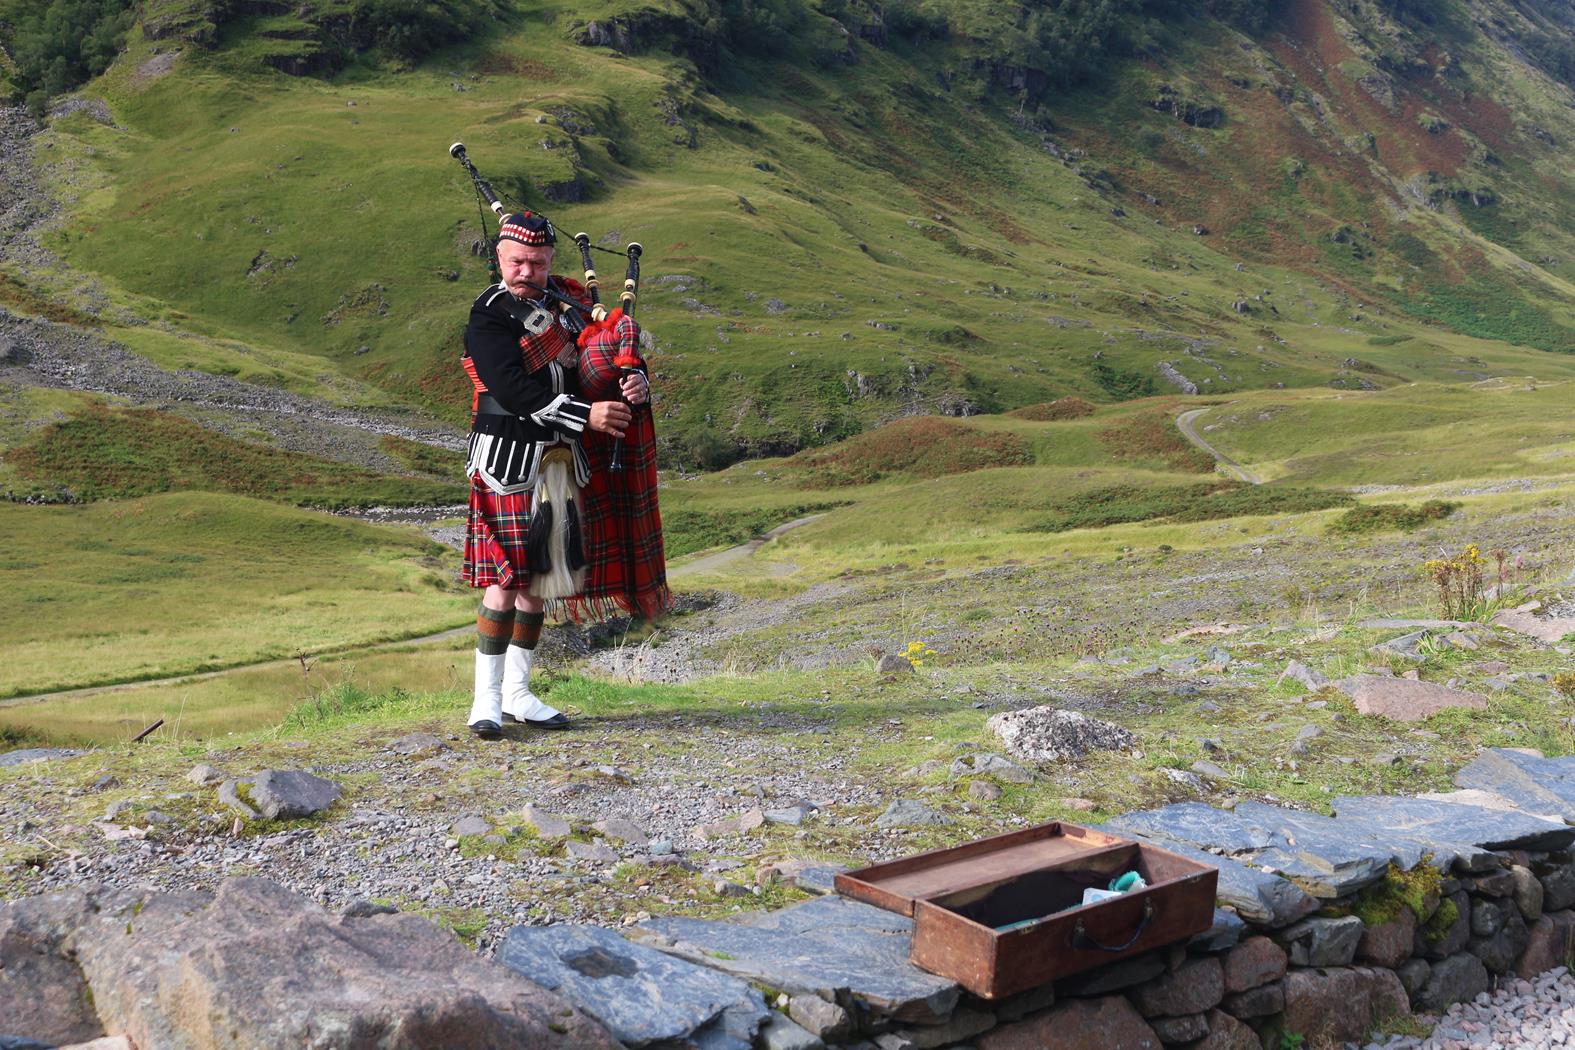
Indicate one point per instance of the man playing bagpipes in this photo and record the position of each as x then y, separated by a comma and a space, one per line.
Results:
563, 504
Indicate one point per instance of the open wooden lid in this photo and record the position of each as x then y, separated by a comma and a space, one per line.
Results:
895, 885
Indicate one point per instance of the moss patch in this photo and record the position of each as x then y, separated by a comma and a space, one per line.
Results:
1381, 902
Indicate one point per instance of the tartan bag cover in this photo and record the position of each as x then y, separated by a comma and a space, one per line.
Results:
623, 533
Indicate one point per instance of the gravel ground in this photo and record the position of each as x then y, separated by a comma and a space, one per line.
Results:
397, 841
1525, 1015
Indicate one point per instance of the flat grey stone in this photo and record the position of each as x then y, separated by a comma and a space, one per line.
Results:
992, 765
778, 1033
622, 830
1322, 942
1257, 896
27, 755
1300, 846
1225, 933
1197, 823
792, 816
597, 852
815, 880
1406, 647
291, 793
547, 826
1536, 785
1454, 823
204, 776
832, 947
230, 797
910, 813
470, 825
414, 743
641, 995
1326, 860
1297, 671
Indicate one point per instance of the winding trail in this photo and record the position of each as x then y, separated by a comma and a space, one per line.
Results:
733, 555
1228, 465
198, 676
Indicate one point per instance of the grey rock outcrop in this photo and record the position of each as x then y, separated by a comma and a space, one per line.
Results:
253, 964
1046, 734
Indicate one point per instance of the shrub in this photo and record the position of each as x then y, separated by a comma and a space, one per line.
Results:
1153, 435
1054, 411
1386, 517
1121, 384
917, 447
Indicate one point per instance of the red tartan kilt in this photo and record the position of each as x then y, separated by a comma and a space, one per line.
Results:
495, 538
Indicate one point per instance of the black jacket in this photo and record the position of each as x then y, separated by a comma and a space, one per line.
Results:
520, 414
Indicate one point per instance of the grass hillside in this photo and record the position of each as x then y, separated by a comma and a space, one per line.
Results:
837, 237
187, 582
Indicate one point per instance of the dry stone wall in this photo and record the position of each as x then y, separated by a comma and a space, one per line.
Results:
1328, 927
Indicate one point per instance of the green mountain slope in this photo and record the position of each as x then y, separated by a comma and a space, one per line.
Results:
892, 211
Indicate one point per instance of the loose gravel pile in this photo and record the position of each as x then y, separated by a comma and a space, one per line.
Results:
1524, 1015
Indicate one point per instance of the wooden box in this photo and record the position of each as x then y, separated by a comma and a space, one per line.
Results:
1004, 914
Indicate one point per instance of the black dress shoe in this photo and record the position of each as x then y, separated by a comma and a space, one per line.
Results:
487, 729
557, 721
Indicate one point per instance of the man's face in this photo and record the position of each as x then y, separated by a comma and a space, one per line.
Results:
523, 265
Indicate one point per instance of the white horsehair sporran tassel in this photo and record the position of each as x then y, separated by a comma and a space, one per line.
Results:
555, 487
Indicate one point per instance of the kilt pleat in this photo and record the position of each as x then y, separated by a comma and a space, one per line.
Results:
495, 537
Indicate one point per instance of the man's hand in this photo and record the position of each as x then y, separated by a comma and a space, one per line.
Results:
610, 417
636, 388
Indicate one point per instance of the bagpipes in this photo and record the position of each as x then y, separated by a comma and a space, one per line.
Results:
599, 321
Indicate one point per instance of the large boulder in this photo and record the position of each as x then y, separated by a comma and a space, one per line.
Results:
1046, 734
42, 991
252, 964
